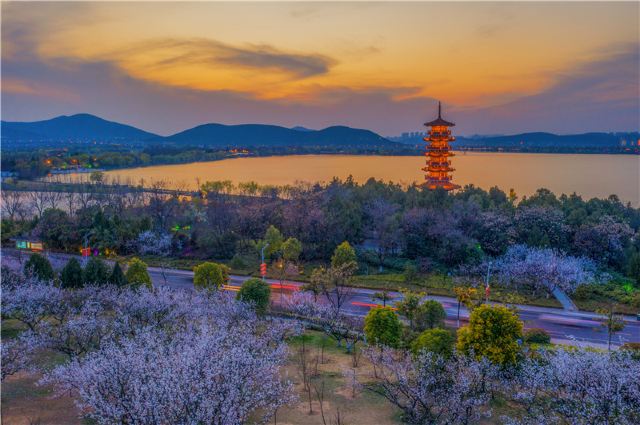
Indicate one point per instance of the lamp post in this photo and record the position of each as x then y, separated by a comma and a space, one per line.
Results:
486, 283
262, 264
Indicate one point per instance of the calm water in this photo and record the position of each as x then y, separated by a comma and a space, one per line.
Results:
587, 175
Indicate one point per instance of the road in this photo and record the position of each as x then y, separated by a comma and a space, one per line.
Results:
567, 327
575, 328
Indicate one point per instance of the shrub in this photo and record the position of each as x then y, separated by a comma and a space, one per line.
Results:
38, 267
493, 332
210, 276
71, 274
344, 254
96, 272
137, 273
382, 327
410, 272
438, 341
237, 262
117, 276
536, 336
633, 348
257, 292
430, 315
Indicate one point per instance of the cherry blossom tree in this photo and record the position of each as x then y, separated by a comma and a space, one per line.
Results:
204, 374
544, 269
579, 387
430, 389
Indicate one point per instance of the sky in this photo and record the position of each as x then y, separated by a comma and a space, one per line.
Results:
498, 68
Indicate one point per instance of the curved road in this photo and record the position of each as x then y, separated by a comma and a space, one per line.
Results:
567, 327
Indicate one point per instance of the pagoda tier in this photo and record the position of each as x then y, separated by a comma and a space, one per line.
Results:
438, 170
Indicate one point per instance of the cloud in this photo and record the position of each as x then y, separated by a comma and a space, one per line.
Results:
601, 94
173, 52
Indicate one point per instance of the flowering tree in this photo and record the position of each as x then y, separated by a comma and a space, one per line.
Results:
544, 269
153, 243
201, 375
430, 389
579, 386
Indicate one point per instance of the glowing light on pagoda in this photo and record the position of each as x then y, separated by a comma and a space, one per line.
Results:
438, 153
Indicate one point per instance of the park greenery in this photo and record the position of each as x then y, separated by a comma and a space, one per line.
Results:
139, 354
531, 246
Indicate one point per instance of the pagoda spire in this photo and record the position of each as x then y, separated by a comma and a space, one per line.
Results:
438, 151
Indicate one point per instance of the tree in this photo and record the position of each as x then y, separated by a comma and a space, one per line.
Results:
157, 377
333, 283
137, 274
71, 275
38, 267
465, 296
344, 254
633, 267
210, 276
437, 341
430, 314
274, 238
96, 272
613, 323
579, 386
544, 269
256, 292
409, 304
117, 277
382, 296
431, 389
493, 332
410, 272
382, 327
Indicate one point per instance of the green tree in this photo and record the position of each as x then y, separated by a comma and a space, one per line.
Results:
210, 276
257, 292
344, 254
633, 267
438, 341
96, 272
291, 250
137, 273
408, 306
382, 327
117, 276
382, 296
274, 238
71, 274
410, 272
430, 314
493, 332
38, 267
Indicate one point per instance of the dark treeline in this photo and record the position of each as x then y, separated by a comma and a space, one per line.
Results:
388, 223
34, 163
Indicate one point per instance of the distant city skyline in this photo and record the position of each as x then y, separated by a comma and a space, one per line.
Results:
498, 68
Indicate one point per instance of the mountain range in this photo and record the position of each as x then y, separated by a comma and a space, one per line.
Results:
86, 128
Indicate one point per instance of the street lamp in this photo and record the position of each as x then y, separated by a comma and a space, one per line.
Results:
263, 264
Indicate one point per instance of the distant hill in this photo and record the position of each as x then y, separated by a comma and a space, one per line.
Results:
78, 128
254, 135
535, 141
546, 140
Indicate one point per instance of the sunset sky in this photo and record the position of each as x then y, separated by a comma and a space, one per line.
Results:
497, 67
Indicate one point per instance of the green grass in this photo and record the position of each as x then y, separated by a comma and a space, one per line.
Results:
442, 285
11, 328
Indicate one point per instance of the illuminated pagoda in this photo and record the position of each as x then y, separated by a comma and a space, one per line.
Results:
438, 169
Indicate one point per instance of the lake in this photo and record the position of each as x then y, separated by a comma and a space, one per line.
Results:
587, 175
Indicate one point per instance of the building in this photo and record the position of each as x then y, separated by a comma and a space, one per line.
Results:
438, 151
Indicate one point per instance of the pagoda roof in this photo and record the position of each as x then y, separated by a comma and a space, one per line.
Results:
439, 121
